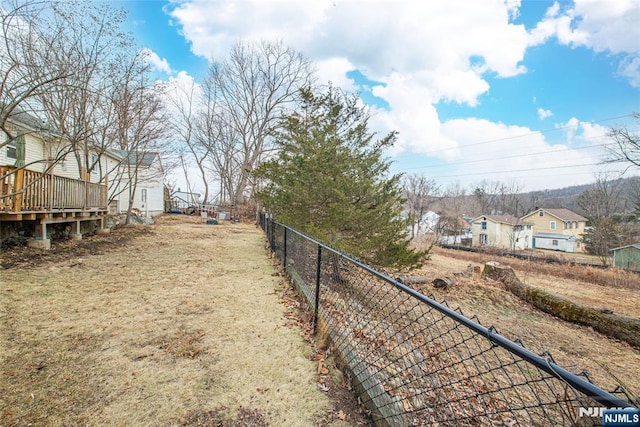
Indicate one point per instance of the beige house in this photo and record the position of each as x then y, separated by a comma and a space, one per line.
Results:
557, 229
501, 231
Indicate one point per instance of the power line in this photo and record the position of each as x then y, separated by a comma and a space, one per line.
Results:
509, 157
506, 138
525, 170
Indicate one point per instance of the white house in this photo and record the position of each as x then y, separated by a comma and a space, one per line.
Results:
501, 231
143, 175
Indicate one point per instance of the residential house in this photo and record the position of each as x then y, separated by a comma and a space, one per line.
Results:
42, 181
557, 229
501, 231
140, 178
627, 257
455, 230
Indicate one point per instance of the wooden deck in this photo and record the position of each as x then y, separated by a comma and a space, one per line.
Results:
30, 195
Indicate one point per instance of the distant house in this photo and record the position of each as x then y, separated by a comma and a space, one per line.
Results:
557, 229
627, 257
501, 231
144, 175
455, 230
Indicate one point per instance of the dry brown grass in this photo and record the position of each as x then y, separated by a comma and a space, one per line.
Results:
564, 269
181, 326
574, 347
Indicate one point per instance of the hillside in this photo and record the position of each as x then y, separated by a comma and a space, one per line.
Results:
567, 197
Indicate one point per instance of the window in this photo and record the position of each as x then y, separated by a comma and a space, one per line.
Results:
143, 195
554, 243
541, 213
517, 228
570, 225
11, 151
566, 226
552, 225
575, 224
484, 225
483, 239
529, 227
94, 163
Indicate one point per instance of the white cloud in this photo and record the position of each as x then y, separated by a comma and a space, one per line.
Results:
161, 64
544, 114
583, 133
335, 70
507, 153
425, 53
453, 53
630, 69
604, 26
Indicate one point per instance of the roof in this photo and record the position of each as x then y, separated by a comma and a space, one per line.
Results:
553, 236
505, 219
19, 116
634, 245
133, 158
563, 214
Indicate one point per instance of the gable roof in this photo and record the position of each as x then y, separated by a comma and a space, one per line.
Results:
505, 219
562, 214
634, 245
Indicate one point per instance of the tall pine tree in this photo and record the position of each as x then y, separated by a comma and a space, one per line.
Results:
329, 179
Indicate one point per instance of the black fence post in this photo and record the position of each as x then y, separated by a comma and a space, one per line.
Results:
317, 302
284, 250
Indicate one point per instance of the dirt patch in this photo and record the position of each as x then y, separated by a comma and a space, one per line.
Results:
179, 323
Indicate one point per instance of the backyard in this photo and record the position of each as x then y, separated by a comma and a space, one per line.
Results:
179, 323
185, 323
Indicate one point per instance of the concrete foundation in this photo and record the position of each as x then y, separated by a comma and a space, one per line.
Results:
39, 243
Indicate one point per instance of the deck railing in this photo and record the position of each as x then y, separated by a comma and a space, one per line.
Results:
23, 190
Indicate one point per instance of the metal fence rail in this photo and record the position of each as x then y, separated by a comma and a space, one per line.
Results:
417, 362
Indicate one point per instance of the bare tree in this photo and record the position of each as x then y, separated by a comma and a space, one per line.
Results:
628, 144
256, 84
217, 137
89, 44
600, 204
141, 124
186, 102
26, 48
497, 197
419, 192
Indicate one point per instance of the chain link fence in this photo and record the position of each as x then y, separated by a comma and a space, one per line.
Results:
417, 362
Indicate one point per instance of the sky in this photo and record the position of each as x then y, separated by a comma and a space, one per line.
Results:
516, 91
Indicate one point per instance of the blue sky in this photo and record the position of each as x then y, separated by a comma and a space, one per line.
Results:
515, 91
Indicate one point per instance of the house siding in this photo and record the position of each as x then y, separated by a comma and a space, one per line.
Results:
627, 257
572, 225
501, 234
562, 243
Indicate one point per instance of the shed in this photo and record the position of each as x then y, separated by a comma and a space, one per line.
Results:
627, 257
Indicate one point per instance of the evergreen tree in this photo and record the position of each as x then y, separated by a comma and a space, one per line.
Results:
329, 179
